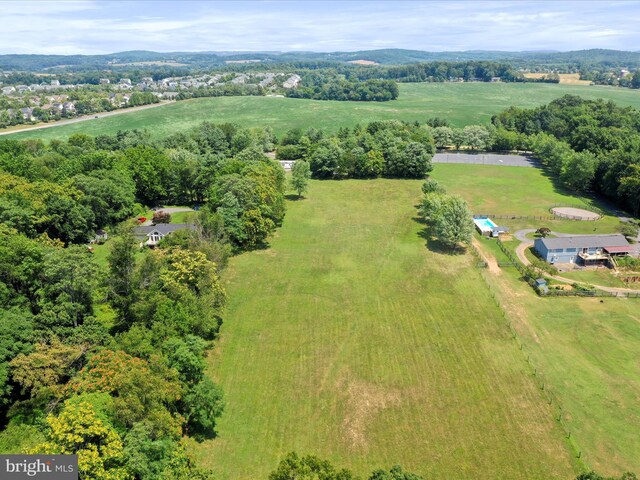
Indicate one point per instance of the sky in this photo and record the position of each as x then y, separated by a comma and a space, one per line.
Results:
101, 26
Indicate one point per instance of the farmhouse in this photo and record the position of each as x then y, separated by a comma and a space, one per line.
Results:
584, 249
155, 233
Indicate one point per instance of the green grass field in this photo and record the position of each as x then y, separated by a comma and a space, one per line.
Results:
586, 353
585, 350
350, 339
461, 103
517, 191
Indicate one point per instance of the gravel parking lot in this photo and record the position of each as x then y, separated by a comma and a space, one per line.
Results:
485, 159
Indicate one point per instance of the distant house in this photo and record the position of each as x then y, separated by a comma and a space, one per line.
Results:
27, 114
101, 236
55, 83
582, 249
170, 95
495, 79
292, 81
240, 79
69, 107
155, 233
105, 81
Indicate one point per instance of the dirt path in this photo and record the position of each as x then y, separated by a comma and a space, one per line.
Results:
509, 296
84, 118
492, 264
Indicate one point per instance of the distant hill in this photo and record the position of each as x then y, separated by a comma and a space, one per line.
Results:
606, 58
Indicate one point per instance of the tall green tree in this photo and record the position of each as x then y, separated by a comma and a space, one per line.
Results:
630, 187
121, 283
66, 296
453, 224
309, 467
300, 175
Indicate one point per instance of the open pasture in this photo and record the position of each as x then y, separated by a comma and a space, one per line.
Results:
461, 103
585, 350
519, 192
351, 340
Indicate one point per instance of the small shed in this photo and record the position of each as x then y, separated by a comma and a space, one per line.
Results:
541, 285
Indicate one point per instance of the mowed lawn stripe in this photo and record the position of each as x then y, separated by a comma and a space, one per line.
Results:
349, 339
586, 350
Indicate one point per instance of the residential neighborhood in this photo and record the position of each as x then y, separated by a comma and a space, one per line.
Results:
52, 99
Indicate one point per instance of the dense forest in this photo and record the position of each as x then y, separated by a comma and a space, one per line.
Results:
318, 87
113, 350
589, 145
483, 71
388, 149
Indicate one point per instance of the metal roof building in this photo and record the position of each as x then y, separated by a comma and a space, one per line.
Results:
584, 247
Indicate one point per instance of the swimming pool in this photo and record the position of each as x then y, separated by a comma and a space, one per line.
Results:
484, 225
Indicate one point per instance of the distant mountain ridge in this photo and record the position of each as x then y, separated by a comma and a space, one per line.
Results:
392, 56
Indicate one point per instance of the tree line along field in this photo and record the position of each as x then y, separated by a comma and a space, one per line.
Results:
351, 340
461, 103
585, 349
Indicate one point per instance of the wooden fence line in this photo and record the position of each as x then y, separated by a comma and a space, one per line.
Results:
550, 397
534, 217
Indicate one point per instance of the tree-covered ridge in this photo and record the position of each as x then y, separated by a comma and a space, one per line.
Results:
390, 56
590, 145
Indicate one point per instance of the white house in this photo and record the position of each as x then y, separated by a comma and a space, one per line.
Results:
155, 233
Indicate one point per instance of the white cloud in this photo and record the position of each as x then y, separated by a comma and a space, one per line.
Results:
109, 26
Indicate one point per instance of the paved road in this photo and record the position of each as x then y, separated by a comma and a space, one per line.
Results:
486, 159
85, 118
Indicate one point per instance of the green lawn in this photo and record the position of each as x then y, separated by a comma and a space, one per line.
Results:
350, 339
461, 103
585, 350
597, 277
516, 191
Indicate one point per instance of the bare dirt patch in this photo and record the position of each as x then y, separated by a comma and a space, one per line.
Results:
565, 78
363, 62
572, 79
492, 264
364, 402
575, 213
535, 75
